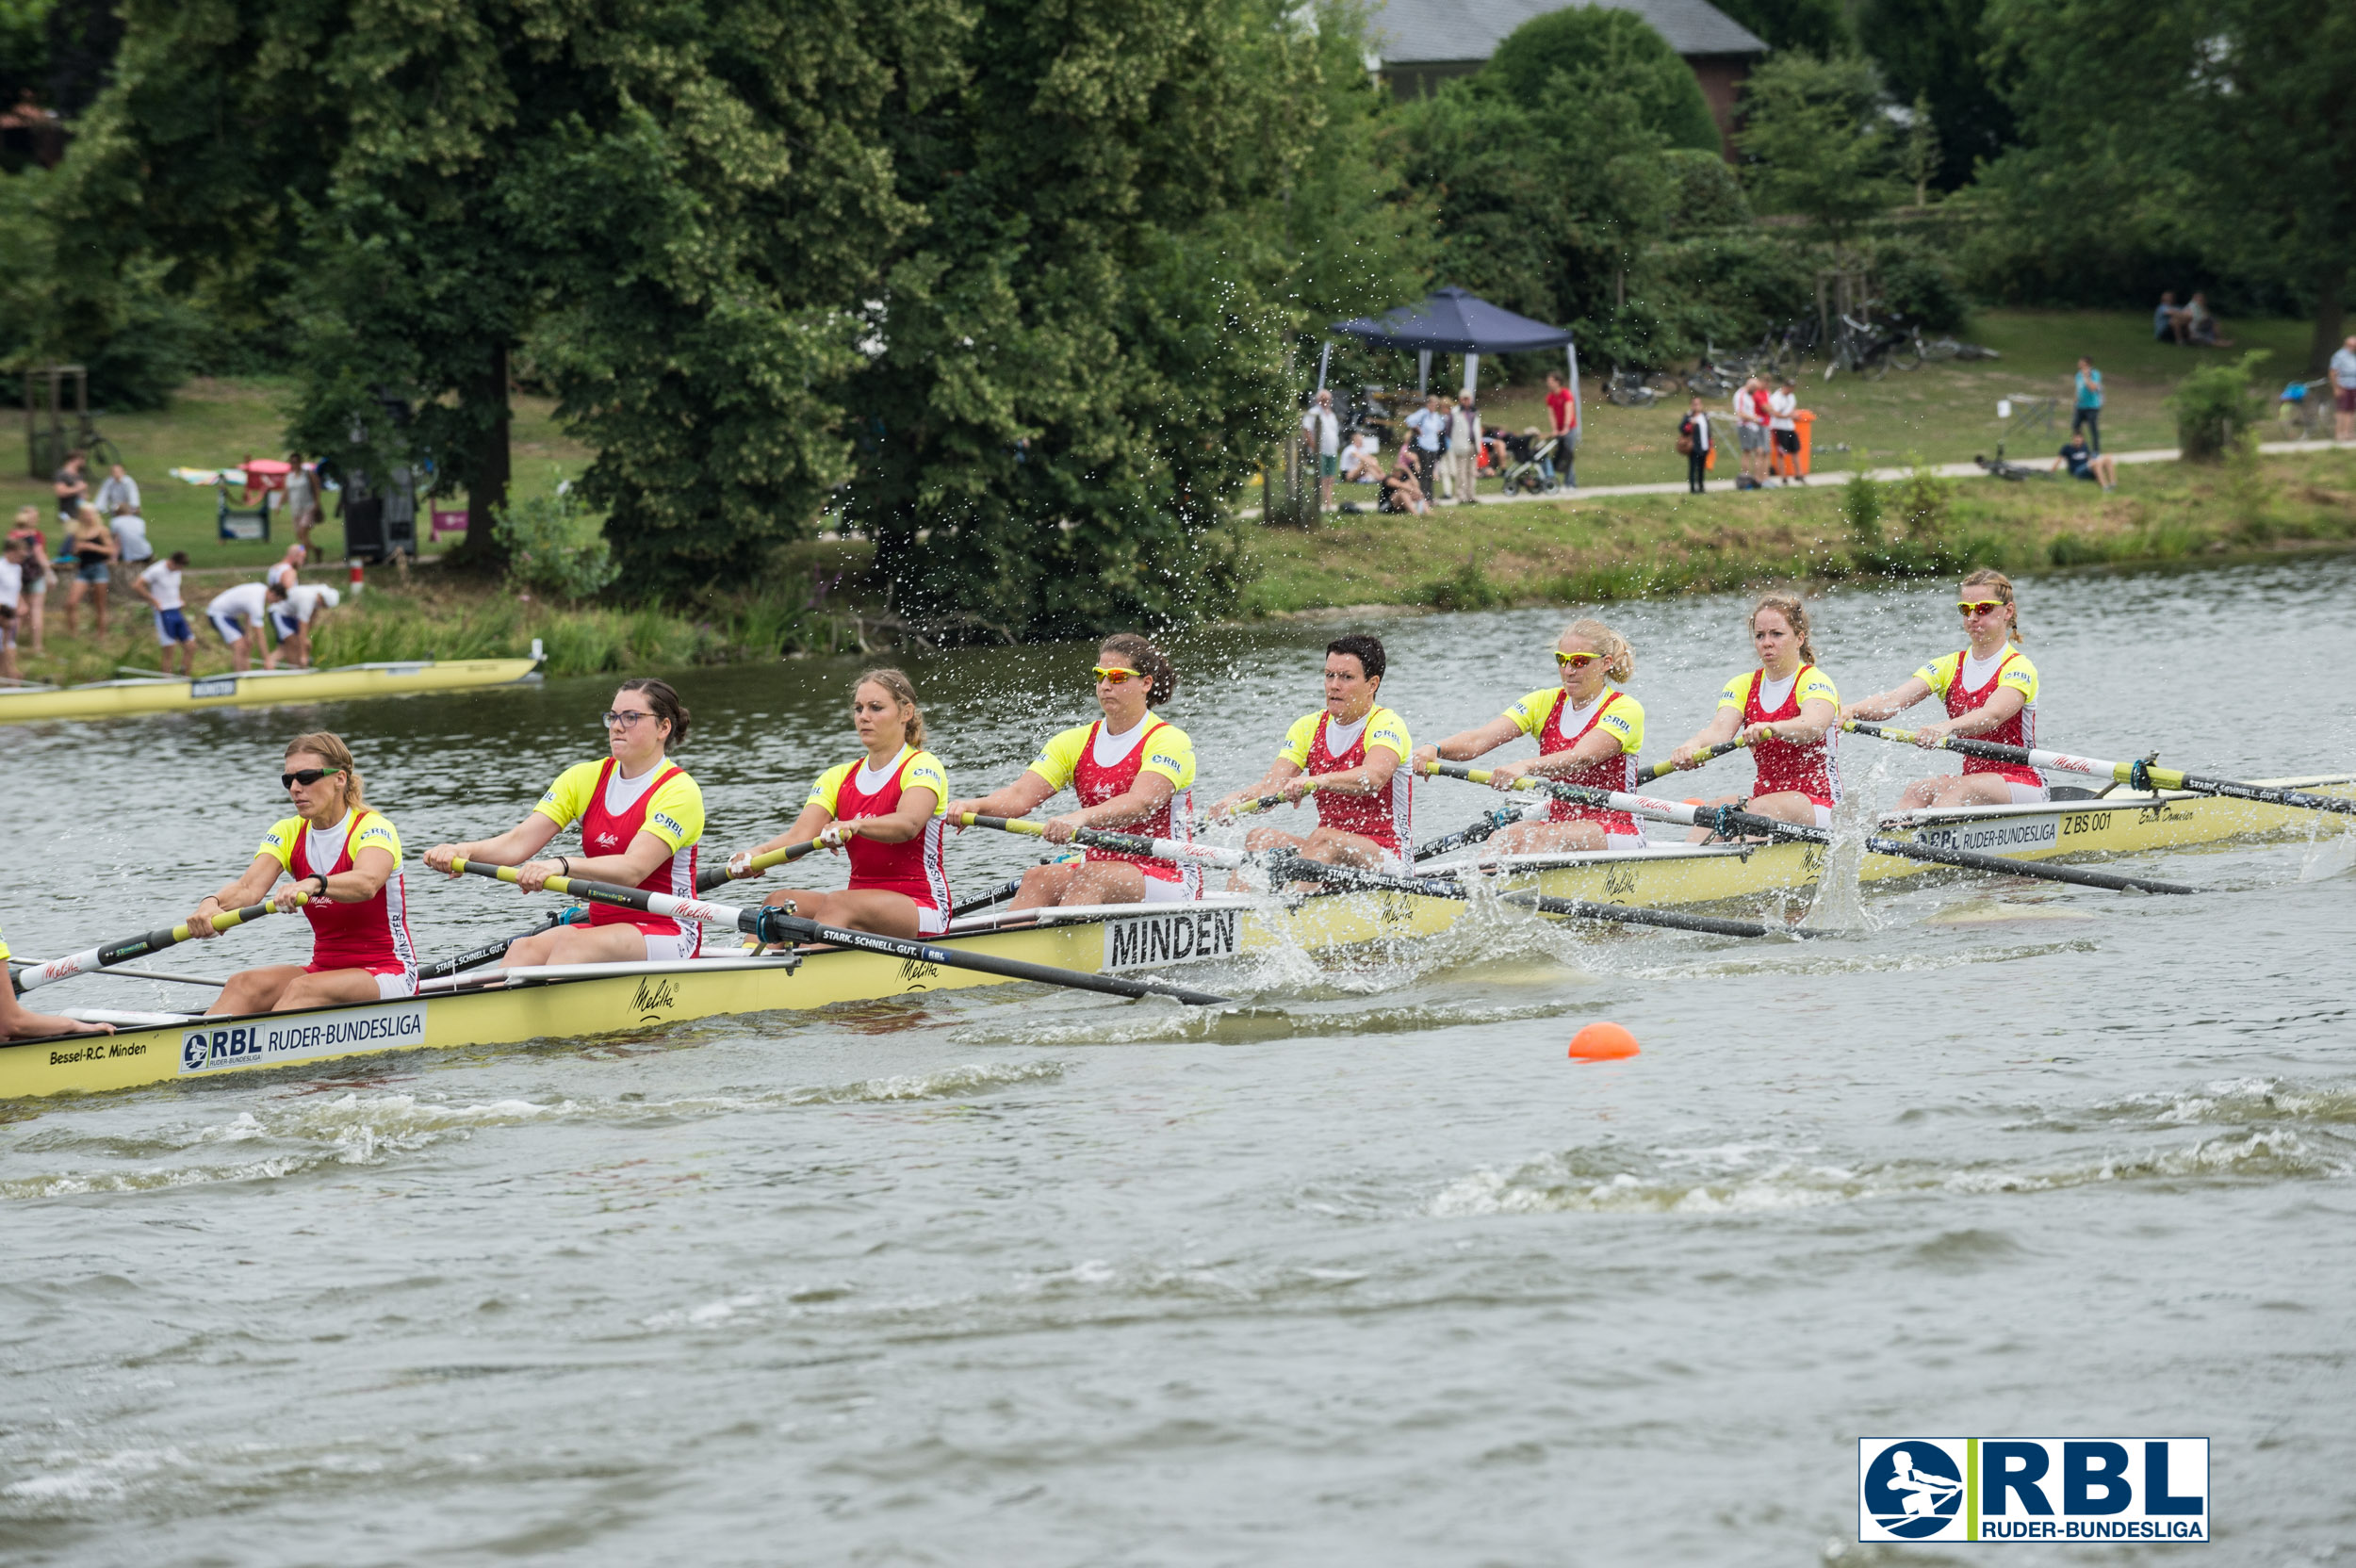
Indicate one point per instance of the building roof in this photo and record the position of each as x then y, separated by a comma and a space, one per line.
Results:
1409, 32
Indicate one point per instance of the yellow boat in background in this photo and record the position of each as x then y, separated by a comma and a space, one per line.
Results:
113, 699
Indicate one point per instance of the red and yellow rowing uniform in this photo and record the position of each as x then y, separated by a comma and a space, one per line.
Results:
1788, 766
372, 935
917, 868
1316, 744
613, 812
1101, 767
1548, 716
1967, 684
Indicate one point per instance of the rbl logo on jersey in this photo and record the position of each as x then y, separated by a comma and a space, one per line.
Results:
2033, 1488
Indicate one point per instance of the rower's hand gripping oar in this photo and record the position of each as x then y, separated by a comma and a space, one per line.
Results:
1482, 828
771, 923
1284, 866
720, 875
2136, 776
107, 954
1269, 803
1659, 771
1732, 822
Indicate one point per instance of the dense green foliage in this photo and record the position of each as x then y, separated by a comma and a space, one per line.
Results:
1819, 142
1932, 50
2216, 409
1819, 27
1588, 49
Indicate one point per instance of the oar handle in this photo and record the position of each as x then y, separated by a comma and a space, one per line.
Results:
1661, 770
1117, 843
719, 875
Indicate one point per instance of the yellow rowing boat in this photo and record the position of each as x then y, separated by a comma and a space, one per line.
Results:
495, 1007
110, 699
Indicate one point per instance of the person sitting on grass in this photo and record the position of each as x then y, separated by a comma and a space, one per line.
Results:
2169, 319
2084, 463
2200, 325
1401, 492
1362, 460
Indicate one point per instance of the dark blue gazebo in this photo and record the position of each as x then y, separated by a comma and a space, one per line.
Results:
1453, 321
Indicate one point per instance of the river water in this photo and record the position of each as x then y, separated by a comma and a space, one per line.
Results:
1368, 1273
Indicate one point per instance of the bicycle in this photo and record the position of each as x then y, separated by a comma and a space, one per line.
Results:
1631, 389
2304, 416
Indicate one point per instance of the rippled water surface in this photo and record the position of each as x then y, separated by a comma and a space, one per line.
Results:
1368, 1273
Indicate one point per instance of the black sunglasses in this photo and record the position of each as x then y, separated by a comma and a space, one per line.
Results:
305, 776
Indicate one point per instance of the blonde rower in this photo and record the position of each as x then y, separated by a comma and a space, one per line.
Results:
1586, 733
1990, 691
887, 811
1133, 772
641, 817
1788, 712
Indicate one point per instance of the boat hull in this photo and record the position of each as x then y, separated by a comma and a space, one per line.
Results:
259, 689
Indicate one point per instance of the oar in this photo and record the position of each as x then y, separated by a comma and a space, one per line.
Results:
1661, 770
1264, 803
107, 954
718, 875
214, 981
1287, 867
997, 895
774, 924
1732, 822
2137, 774
1477, 832
475, 957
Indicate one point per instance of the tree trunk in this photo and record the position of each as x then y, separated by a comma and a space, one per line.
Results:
489, 475
2331, 317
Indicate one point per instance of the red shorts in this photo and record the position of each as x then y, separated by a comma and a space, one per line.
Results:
2343, 399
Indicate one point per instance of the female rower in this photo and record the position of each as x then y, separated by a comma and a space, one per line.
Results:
1353, 753
1990, 691
347, 858
1133, 772
886, 810
1786, 711
18, 1023
641, 816
1586, 734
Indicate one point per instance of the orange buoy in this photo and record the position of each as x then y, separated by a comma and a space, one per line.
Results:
1602, 1043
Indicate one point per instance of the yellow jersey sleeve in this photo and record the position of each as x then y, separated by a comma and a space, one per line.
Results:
1939, 674
1625, 718
1059, 758
1530, 715
3, 945
377, 832
828, 791
2021, 675
1170, 753
1299, 738
1816, 686
675, 814
565, 801
1736, 693
924, 772
279, 842
1386, 728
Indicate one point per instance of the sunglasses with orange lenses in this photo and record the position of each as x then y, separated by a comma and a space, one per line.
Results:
1979, 607
1117, 675
1575, 661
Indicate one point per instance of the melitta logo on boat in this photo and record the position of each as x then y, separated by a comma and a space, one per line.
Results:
213, 686
2033, 1488
1141, 941
300, 1035
1997, 836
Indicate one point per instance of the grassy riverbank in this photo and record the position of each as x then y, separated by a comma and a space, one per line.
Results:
1585, 552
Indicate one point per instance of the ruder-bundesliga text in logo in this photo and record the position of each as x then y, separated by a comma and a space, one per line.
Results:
2149, 1489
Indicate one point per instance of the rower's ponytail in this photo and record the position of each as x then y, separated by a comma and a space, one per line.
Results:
1619, 660
329, 747
903, 689
1148, 660
2000, 585
1794, 615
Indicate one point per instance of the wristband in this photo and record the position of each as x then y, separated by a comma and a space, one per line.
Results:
564, 866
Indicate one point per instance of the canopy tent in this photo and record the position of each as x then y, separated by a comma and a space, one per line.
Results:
1453, 321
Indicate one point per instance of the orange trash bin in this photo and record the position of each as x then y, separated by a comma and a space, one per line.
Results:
1783, 463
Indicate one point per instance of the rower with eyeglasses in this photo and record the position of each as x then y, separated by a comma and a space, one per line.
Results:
1991, 691
343, 862
1587, 734
1133, 772
641, 817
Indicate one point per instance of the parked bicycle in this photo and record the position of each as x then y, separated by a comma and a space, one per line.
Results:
2304, 409
1626, 388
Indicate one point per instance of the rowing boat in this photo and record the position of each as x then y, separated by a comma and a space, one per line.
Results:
560, 1002
110, 699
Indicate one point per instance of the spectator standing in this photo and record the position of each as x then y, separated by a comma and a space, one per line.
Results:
73, 487
1429, 423
287, 571
160, 585
1694, 441
1783, 427
2088, 410
1321, 434
2344, 392
1750, 433
11, 599
93, 546
34, 603
1563, 408
2084, 464
1464, 448
302, 498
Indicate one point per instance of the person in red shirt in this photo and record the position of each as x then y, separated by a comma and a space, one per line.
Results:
1563, 408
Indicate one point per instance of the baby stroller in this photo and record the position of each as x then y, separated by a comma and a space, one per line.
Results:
1525, 474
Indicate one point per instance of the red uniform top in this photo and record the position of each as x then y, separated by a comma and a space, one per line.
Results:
1946, 676
609, 832
1790, 765
1386, 818
917, 867
1615, 771
1096, 784
372, 935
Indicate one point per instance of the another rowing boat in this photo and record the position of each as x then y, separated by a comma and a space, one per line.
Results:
560, 1002
107, 699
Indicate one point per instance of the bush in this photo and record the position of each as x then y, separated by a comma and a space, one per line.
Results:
1919, 284
555, 547
1861, 508
1468, 588
1922, 502
2216, 409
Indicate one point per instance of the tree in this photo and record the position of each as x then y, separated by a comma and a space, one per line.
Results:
1917, 154
1819, 27
1601, 50
2235, 128
1935, 49
1820, 143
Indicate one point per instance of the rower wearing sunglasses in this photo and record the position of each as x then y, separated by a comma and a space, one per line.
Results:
346, 858
641, 817
1133, 772
1788, 713
1990, 691
1354, 753
1587, 734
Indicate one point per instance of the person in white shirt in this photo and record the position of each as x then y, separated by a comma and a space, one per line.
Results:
1464, 448
1430, 425
1782, 403
2344, 392
238, 614
11, 597
295, 620
302, 498
286, 571
1362, 462
119, 494
160, 585
1322, 433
